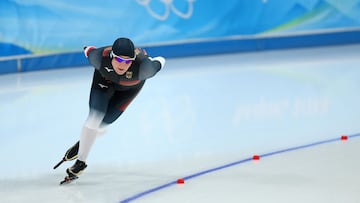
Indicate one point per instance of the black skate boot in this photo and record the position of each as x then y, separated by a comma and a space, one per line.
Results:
74, 171
70, 154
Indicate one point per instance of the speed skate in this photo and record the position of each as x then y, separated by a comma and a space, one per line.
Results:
71, 154
68, 180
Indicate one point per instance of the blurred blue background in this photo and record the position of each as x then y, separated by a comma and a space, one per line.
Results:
50, 27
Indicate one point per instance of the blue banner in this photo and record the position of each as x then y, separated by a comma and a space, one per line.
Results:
42, 26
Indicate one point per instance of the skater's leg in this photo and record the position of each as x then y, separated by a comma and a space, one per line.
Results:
118, 104
88, 136
87, 139
98, 104
89, 133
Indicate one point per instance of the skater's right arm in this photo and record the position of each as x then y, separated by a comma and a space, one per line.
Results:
94, 55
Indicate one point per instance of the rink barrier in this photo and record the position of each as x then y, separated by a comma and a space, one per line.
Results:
186, 178
33, 62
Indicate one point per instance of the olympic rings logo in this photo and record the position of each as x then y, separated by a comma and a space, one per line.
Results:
169, 7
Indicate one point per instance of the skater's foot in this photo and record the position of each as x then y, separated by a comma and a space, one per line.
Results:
76, 169
70, 154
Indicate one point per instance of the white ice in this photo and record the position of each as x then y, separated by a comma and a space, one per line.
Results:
197, 114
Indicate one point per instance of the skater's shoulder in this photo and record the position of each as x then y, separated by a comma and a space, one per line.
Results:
97, 55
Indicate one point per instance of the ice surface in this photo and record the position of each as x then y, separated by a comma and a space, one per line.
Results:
197, 114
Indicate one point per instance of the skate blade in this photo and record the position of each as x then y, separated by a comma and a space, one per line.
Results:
58, 164
68, 180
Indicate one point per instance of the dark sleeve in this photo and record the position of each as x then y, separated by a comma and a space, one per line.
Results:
95, 57
148, 67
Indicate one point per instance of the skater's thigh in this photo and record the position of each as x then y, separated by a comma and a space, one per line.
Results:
118, 103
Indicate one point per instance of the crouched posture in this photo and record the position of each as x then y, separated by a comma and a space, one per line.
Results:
120, 73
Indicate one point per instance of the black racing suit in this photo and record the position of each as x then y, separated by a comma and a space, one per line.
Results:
112, 93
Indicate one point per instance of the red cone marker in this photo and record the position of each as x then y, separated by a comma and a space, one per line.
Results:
180, 181
256, 157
